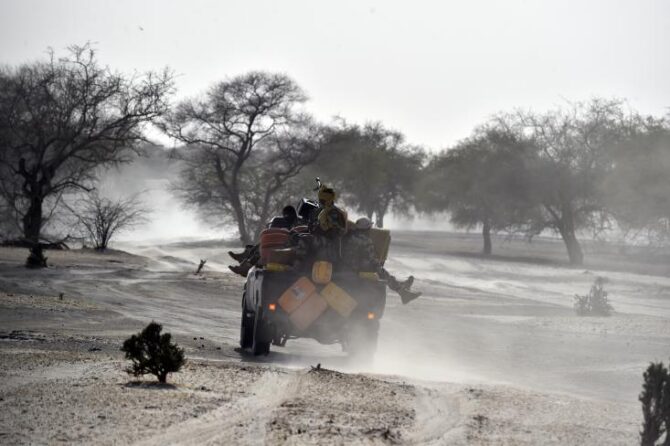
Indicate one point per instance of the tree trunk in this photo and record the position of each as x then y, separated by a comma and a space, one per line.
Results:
240, 217
574, 249
32, 225
486, 233
32, 221
567, 230
379, 219
380, 212
265, 211
242, 228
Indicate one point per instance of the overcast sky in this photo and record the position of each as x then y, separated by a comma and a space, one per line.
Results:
433, 70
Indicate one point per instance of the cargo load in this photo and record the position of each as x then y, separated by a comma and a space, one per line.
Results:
339, 299
381, 238
308, 312
296, 294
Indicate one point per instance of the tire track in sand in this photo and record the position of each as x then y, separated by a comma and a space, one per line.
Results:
439, 420
238, 422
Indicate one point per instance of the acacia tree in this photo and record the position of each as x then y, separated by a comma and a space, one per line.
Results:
637, 189
574, 145
271, 173
483, 180
244, 140
372, 167
62, 118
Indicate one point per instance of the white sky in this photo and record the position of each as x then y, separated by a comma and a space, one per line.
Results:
433, 70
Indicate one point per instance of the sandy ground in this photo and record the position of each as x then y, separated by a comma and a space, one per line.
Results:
491, 354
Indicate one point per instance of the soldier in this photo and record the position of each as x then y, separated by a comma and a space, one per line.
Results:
326, 228
331, 221
288, 220
359, 254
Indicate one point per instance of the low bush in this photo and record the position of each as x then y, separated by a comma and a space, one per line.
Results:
153, 353
655, 399
595, 303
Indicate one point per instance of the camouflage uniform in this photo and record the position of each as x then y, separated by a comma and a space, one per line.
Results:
329, 226
332, 221
327, 232
358, 252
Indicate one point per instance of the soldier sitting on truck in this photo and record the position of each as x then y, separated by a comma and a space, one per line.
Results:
251, 254
331, 221
327, 227
359, 254
326, 223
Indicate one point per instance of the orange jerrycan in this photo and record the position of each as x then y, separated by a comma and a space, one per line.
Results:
322, 272
339, 299
308, 312
296, 295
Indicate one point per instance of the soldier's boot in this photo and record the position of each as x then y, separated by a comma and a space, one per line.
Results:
406, 296
406, 284
238, 256
241, 256
241, 269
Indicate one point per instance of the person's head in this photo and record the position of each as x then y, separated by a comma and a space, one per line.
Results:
326, 195
290, 214
363, 224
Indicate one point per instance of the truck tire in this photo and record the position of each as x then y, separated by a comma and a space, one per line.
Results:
259, 347
246, 324
246, 329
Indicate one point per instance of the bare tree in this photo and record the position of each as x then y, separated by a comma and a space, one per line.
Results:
62, 118
244, 140
271, 170
265, 182
102, 218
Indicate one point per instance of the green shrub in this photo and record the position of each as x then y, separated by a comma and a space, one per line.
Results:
655, 399
595, 303
153, 352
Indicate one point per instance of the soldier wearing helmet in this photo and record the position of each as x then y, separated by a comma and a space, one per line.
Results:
359, 254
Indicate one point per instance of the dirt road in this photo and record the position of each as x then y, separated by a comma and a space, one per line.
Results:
492, 354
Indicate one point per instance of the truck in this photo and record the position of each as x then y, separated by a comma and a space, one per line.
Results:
314, 299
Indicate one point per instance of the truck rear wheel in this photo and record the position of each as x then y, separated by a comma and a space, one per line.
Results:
246, 329
258, 346
246, 324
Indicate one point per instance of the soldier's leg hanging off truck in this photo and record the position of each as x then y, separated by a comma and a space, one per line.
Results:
247, 258
403, 288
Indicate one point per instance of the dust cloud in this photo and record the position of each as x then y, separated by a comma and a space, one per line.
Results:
150, 178
479, 320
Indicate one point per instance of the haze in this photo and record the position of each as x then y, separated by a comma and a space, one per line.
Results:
433, 70
527, 284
